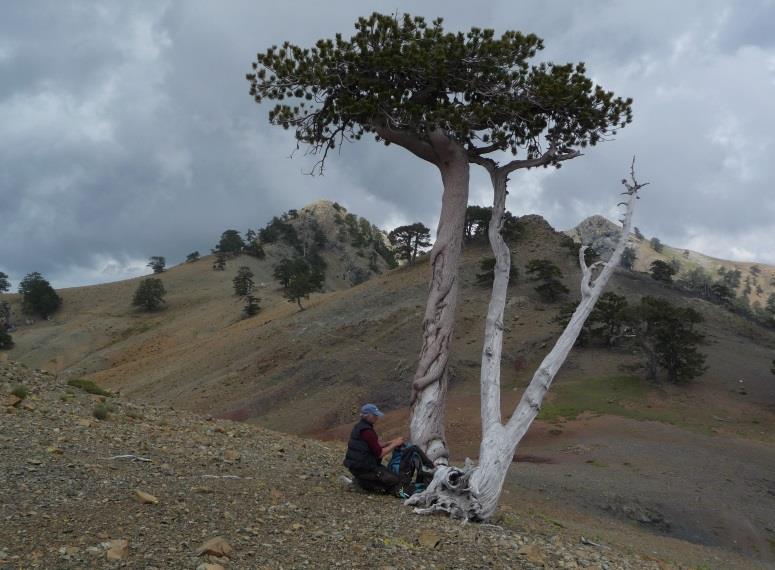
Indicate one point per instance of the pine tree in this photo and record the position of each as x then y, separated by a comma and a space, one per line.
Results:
149, 294
409, 240
192, 257
252, 306
243, 281
38, 296
487, 275
157, 263
219, 263
662, 271
5, 284
550, 289
628, 258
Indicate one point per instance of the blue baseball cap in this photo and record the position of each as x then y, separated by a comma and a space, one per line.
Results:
370, 409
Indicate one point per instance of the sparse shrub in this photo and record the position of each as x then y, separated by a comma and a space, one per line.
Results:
219, 263
192, 257
88, 386
20, 391
6, 340
656, 245
487, 275
149, 294
101, 411
638, 233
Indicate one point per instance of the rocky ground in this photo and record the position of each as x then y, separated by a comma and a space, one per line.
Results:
158, 488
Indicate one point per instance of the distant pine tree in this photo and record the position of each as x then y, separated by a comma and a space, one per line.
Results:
38, 296
149, 294
243, 281
157, 263
251, 305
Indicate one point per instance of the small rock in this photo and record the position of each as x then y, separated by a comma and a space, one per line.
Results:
12, 401
533, 554
428, 538
208, 566
34, 461
145, 498
118, 549
231, 455
83, 422
54, 450
216, 546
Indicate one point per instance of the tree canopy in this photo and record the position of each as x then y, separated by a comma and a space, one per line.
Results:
410, 240
662, 271
38, 296
157, 263
405, 75
149, 294
230, 242
5, 284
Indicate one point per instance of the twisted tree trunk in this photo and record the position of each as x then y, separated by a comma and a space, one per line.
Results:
429, 388
472, 493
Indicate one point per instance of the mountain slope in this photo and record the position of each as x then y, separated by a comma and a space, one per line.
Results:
307, 372
757, 279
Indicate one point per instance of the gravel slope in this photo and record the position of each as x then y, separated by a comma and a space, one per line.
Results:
67, 500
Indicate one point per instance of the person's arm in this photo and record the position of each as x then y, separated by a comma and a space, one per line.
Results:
370, 437
392, 444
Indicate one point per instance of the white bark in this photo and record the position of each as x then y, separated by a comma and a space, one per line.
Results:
472, 493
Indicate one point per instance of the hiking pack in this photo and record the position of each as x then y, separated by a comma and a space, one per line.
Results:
413, 468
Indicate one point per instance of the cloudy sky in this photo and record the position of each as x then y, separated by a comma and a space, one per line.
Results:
126, 128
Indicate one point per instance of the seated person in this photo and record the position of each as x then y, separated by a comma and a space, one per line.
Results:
365, 453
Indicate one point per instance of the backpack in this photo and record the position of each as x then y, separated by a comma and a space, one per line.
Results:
409, 462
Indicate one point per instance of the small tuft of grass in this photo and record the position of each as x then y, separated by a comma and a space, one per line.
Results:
20, 391
101, 411
88, 386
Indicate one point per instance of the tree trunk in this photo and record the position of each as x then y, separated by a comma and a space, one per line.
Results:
429, 388
473, 492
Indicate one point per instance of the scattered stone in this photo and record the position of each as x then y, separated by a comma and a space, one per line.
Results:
12, 401
533, 554
216, 546
145, 498
231, 455
118, 549
34, 461
208, 566
428, 538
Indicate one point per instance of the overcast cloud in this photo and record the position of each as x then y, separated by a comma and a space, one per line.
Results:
127, 129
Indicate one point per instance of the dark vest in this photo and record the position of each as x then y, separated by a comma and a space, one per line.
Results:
359, 456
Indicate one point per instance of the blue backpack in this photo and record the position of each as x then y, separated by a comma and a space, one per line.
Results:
409, 462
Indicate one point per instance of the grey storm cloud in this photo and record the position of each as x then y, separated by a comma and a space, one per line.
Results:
128, 131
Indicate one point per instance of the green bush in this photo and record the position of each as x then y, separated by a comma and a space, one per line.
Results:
20, 391
101, 411
88, 386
